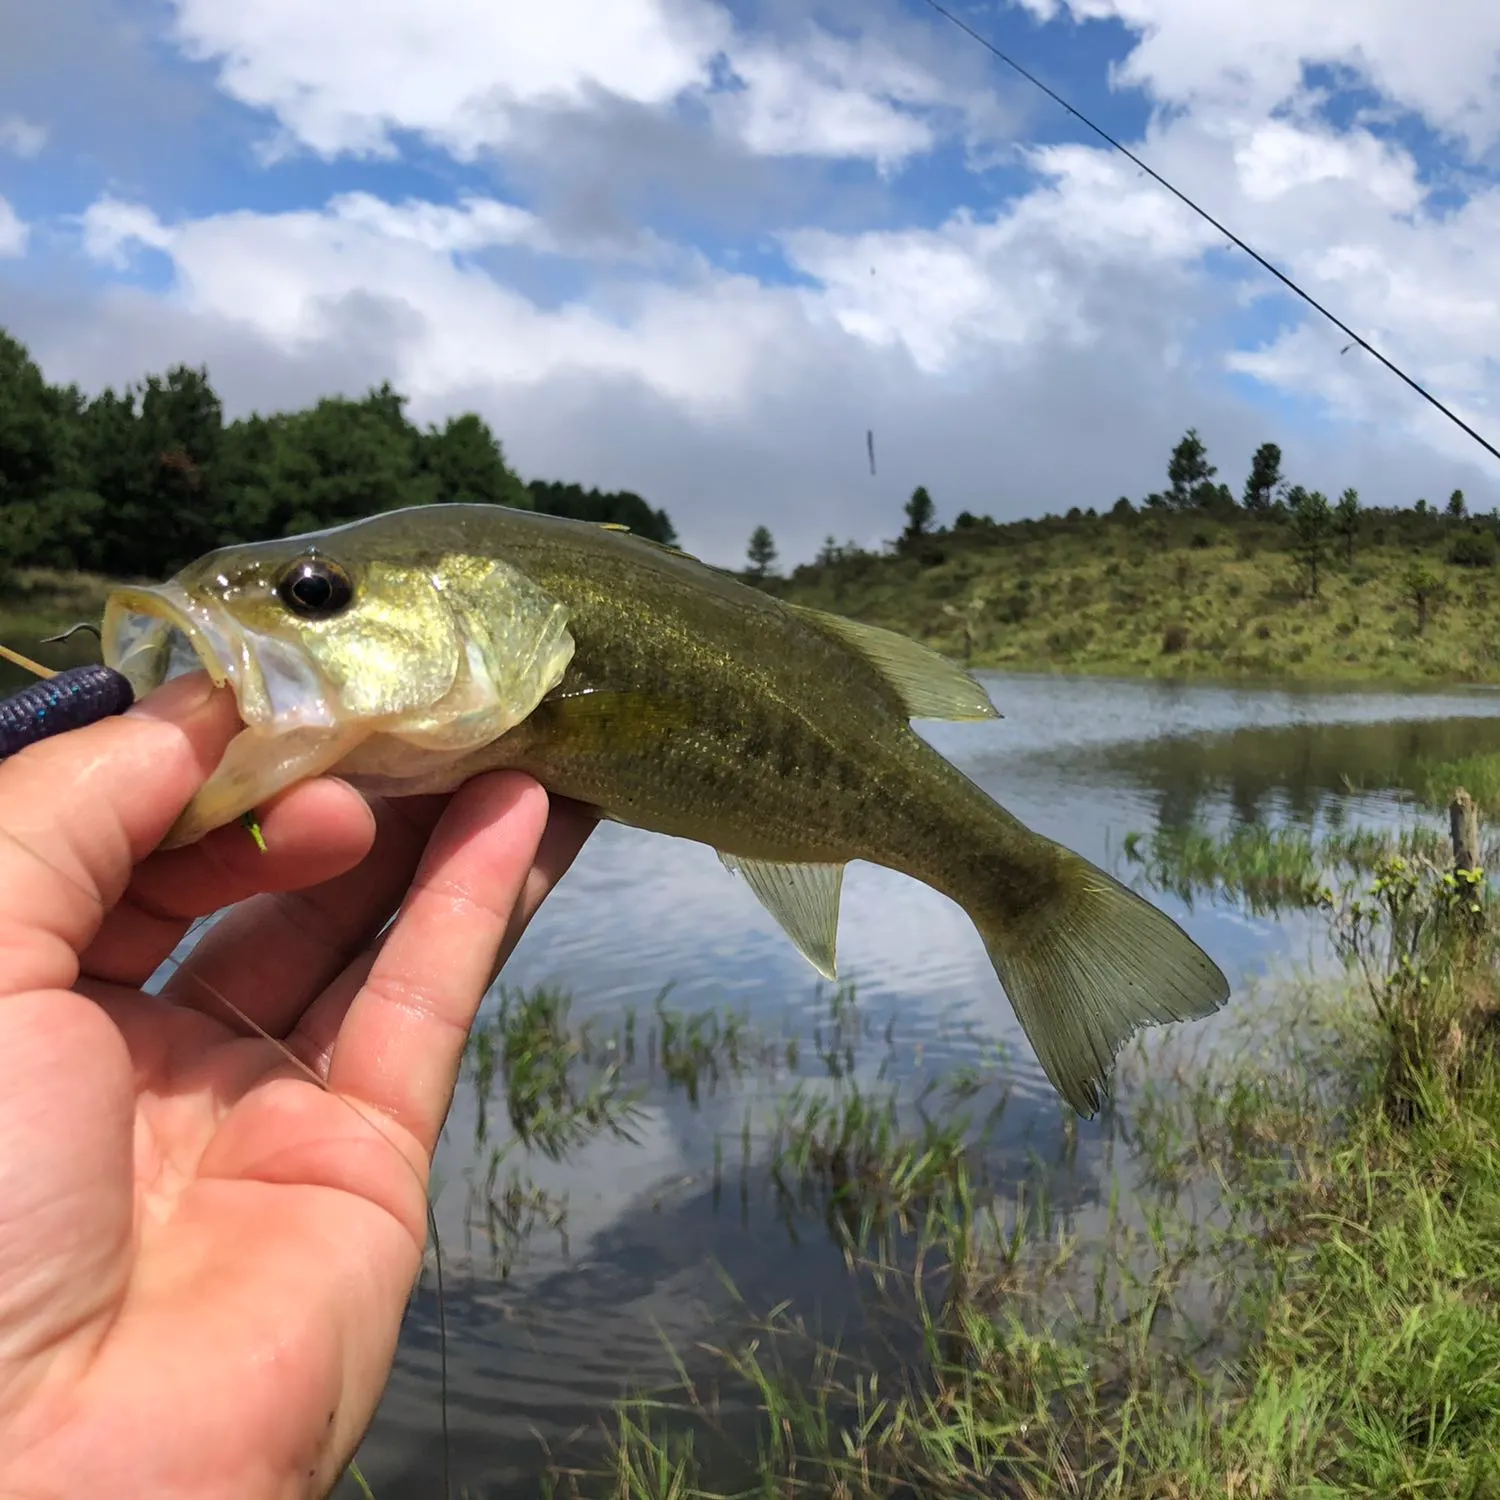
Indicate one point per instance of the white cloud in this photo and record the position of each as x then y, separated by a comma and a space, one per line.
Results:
21, 137
1441, 61
14, 234
463, 72
1017, 355
1013, 280
475, 224
453, 70
1277, 158
829, 96
289, 277
113, 229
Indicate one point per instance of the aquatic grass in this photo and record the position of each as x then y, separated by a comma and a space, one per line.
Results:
1299, 1297
849, 1153
1267, 871
1353, 1348
1433, 781
510, 1208
1303, 1301
554, 1103
566, 1082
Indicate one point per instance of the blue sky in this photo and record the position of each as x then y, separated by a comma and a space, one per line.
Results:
696, 248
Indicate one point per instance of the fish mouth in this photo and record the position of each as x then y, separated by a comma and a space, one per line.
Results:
291, 728
152, 635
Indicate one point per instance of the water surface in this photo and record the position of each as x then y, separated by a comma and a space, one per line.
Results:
653, 1226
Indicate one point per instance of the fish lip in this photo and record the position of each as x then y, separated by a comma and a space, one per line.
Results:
143, 655
274, 689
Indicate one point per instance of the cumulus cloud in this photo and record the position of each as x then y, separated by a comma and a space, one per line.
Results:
466, 74
831, 97
114, 230
454, 70
13, 233
1442, 64
1018, 342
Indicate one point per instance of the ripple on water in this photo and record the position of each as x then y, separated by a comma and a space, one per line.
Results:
1083, 761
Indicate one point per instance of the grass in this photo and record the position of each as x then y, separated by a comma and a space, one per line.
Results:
1264, 870
1178, 594
1432, 781
1302, 1299
851, 1154
563, 1084
1295, 1290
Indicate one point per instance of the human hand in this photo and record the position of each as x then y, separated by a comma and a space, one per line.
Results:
205, 1257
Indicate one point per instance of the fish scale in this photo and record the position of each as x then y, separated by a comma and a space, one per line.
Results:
670, 696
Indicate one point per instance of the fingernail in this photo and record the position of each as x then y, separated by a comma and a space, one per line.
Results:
178, 699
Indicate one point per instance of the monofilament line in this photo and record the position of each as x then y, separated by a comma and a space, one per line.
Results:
1207, 217
316, 1079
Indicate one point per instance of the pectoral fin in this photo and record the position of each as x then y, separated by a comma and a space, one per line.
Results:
929, 685
804, 899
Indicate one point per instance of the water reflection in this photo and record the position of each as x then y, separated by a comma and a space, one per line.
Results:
576, 1310
543, 1351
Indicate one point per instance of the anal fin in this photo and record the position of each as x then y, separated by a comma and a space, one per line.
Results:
804, 899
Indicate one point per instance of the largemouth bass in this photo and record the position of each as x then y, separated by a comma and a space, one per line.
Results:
413, 650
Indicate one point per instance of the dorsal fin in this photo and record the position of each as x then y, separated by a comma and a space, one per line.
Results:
930, 686
650, 541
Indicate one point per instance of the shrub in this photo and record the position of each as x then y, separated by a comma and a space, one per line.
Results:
1474, 549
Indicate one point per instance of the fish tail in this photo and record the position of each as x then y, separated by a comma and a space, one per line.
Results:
1086, 966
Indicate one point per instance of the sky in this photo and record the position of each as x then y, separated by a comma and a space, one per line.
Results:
697, 248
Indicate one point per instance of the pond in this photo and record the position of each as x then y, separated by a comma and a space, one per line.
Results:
632, 1248
635, 1246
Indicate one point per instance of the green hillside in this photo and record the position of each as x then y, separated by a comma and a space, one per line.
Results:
1404, 595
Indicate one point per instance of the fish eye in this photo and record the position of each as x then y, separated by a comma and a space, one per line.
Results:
315, 587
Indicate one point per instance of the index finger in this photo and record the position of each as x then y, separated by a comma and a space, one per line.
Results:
400, 1045
78, 812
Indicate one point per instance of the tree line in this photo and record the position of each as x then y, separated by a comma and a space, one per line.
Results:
1318, 525
136, 482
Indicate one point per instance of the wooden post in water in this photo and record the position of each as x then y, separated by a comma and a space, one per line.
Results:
1463, 826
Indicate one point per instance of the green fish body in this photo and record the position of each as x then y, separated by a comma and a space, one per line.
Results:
415, 649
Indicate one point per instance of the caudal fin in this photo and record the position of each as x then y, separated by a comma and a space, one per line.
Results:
1090, 970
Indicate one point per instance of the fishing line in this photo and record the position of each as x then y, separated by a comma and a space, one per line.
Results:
1204, 214
84, 695
311, 1074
